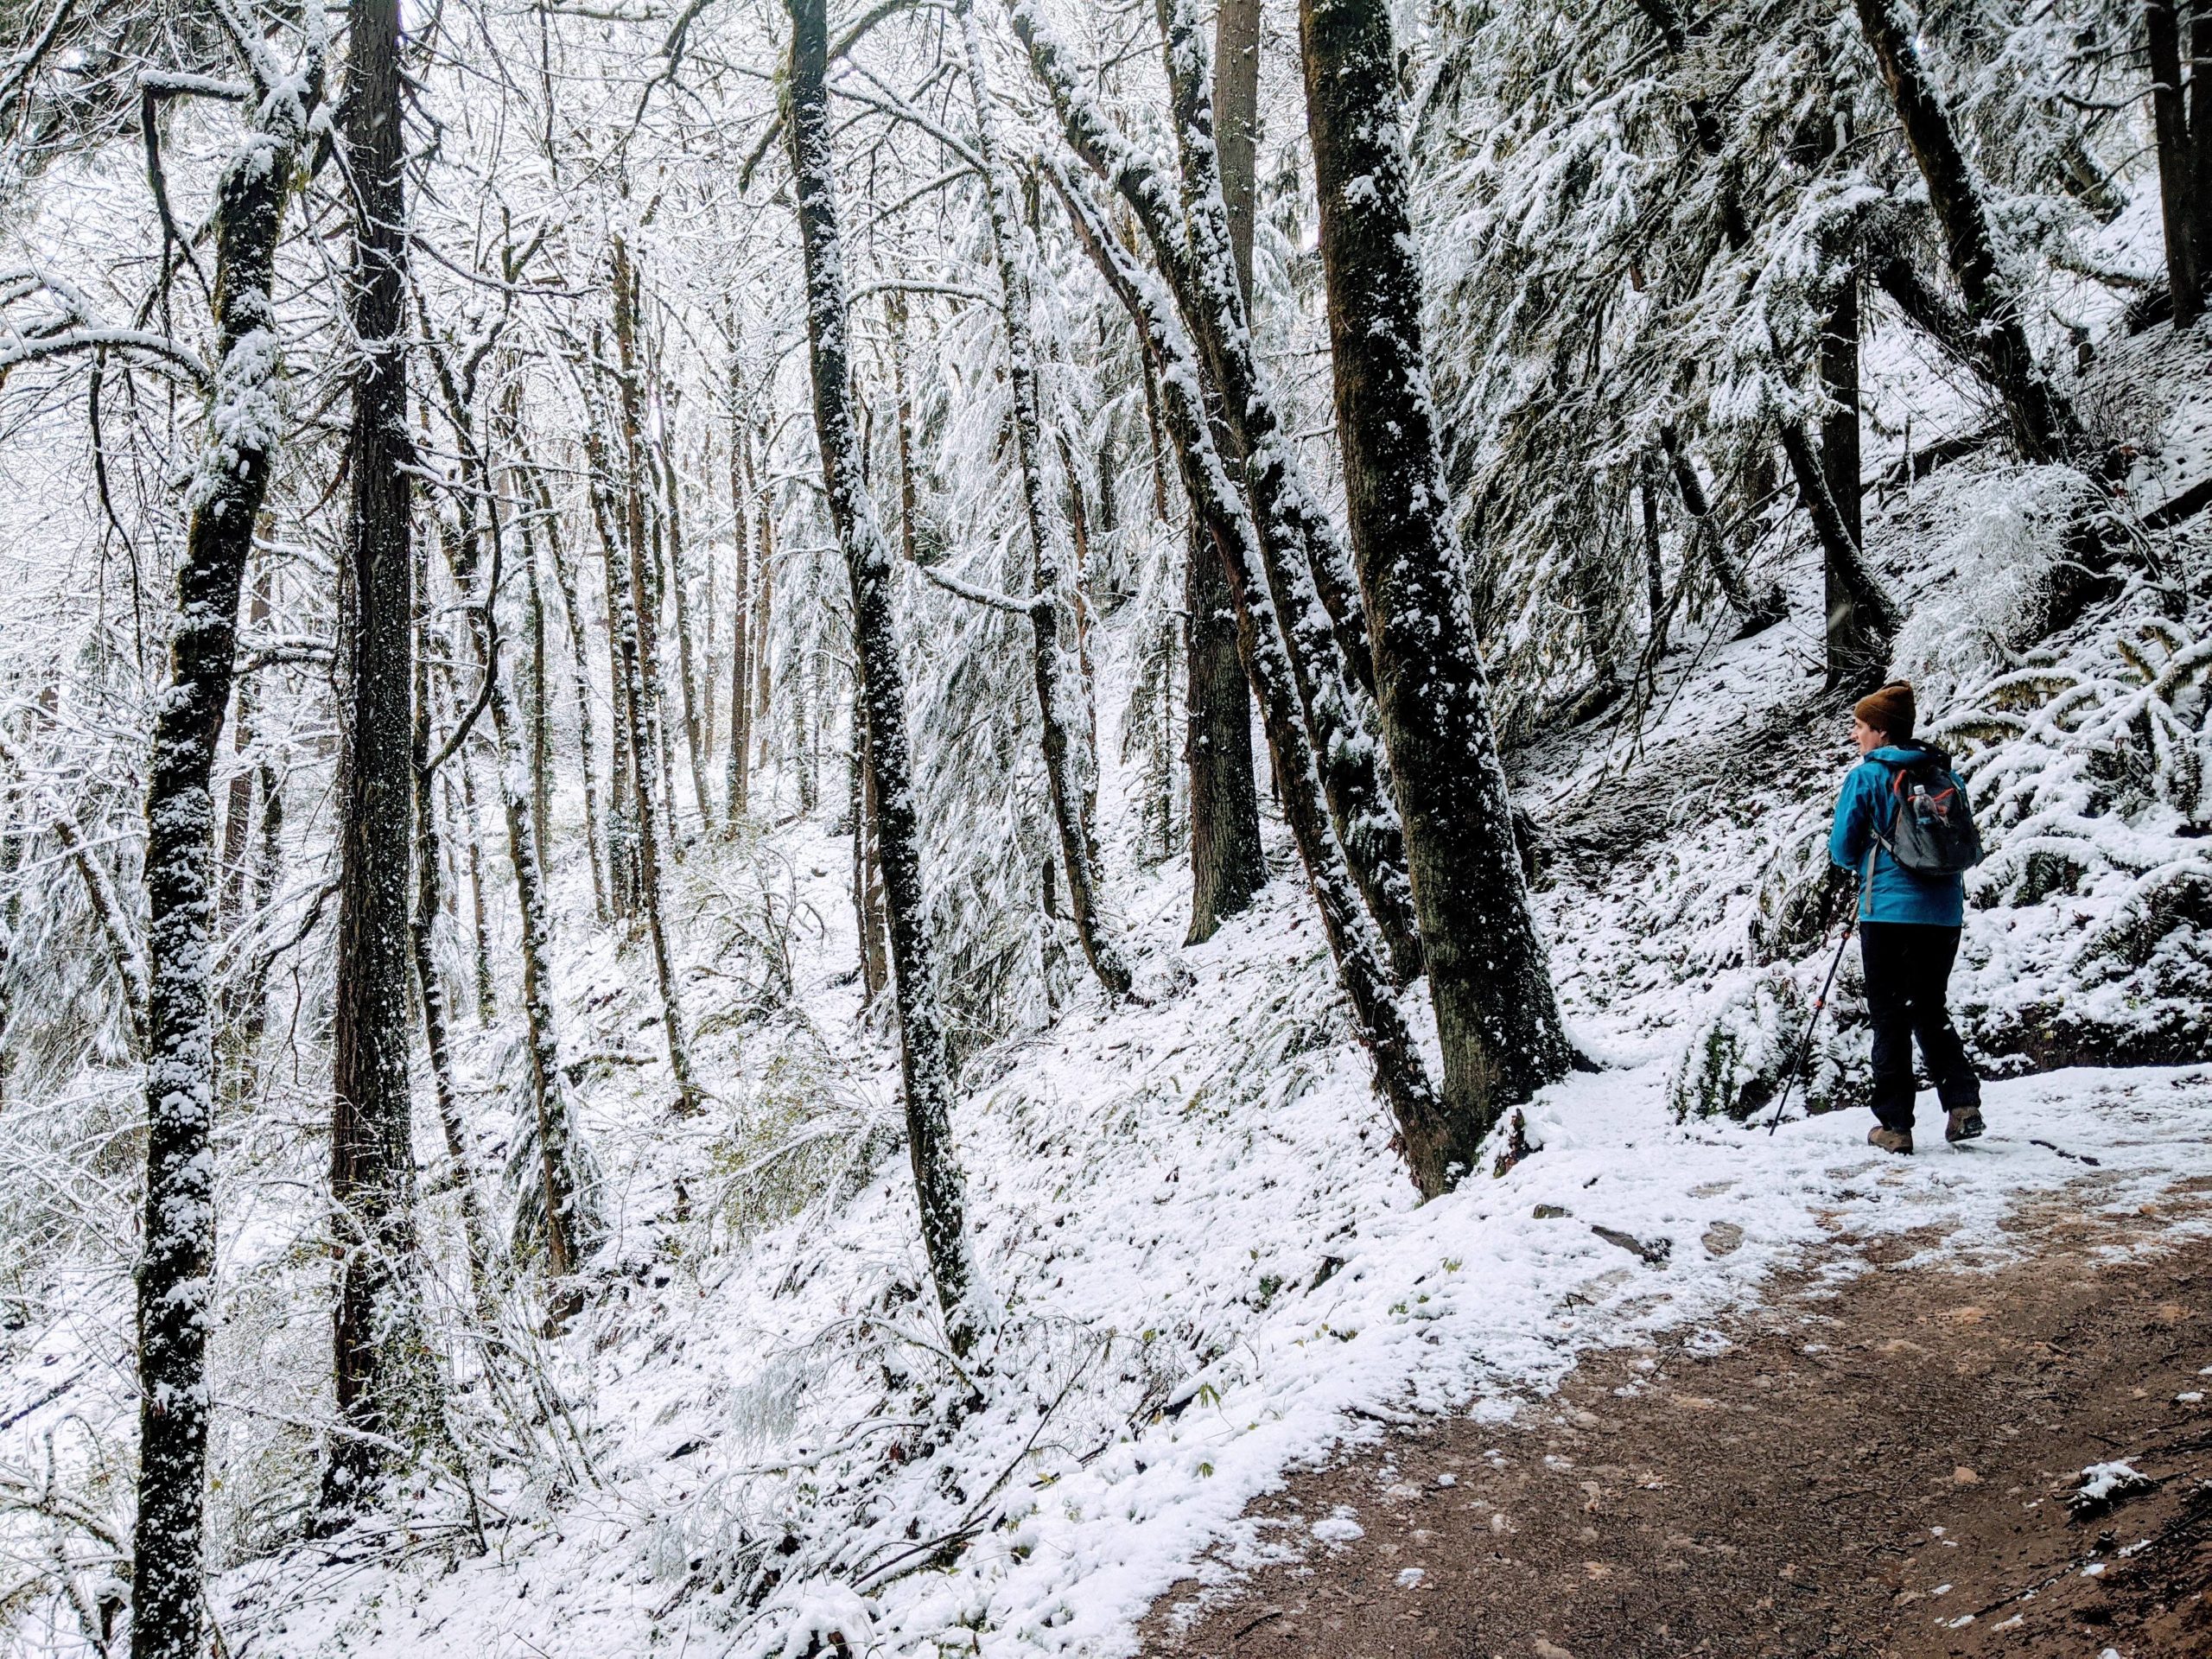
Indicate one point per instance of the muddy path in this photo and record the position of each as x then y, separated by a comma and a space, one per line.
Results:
1881, 1468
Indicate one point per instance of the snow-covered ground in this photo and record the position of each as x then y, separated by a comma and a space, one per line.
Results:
1212, 1269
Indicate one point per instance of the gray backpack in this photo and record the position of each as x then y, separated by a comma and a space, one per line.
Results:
1931, 830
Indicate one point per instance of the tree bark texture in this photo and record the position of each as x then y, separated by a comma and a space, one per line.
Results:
1488, 976
1060, 700
378, 1361
939, 1184
2182, 186
2043, 421
176, 1270
1228, 865
1237, 125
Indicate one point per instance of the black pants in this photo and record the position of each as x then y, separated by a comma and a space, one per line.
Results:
1907, 968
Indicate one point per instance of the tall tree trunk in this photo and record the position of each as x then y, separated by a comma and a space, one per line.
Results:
909, 493
1194, 420
488, 994
1489, 977
2043, 421
1329, 654
1237, 125
238, 810
570, 1223
641, 528
429, 983
539, 715
626, 593
763, 598
694, 740
538, 503
1655, 569
2200, 132
1228, 867
2181, 184
740, 635
1758, 611
176, 1270
624, 768
939, 1185
380, 1359
1159, 445
1059, 699
1862, 618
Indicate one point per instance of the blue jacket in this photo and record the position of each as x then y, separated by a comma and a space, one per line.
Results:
1890, 893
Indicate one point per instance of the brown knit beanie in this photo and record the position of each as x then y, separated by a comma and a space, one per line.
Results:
1889, 711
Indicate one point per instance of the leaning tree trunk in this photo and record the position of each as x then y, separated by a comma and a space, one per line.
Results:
1497, 1019
175, 1273
380, 1358
1857, 645
1059, 699
2043, 421
939, 1185
1760, 611
1194, 420
1329, 654
2180, 185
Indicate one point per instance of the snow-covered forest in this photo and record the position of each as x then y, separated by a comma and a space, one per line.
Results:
811, 814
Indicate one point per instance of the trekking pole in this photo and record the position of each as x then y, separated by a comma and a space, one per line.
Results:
1805, 1045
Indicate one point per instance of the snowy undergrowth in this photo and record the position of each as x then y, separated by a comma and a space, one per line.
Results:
1211, 1266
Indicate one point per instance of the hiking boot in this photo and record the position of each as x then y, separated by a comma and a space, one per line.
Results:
1890, 1140
1964, 1123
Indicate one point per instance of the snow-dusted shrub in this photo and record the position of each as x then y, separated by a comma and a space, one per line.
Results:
1735, 1061
2001, 530
803, 1136
2088, 775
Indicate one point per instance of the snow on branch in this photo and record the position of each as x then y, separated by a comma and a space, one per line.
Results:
68, 326
974, 595
107, 905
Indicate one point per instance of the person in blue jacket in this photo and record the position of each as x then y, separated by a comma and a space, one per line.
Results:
1909, 928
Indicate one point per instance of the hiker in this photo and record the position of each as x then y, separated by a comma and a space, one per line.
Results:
1911, 899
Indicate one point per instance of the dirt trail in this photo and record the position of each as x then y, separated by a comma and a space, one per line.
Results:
1878, 1469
